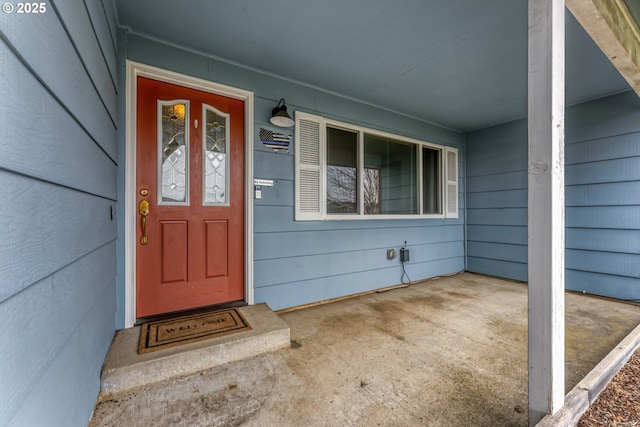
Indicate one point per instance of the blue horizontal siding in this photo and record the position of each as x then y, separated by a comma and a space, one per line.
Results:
616, 170
498, 268
339, 263
58, 186
498, 164
105, 23
498, 199
53, 301
499, 251
612, 116
105, 27
44, 228
605, 194
166, 57
273, 165
504, 216
625, 288
57, 64
604, 217
296, 243
603, 240
494, 141
612, 147
497, 182
602, 196
498, 233
614, 263
49, 136
319, 289
80, 28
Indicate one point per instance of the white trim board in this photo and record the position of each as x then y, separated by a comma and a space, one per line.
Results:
135, 69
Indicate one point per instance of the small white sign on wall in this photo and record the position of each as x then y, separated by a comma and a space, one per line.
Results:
263, 182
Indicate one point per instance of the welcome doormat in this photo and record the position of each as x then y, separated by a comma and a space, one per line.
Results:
170, 333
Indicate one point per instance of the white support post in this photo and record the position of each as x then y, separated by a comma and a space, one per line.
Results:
546, 208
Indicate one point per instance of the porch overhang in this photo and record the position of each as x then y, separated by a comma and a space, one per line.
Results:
614, 28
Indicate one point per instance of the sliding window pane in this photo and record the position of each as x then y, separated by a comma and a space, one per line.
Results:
390, 176
431, 185
342, 171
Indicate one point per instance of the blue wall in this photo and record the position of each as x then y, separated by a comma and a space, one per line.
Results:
602, 158
497, 201
57, 186
302, 262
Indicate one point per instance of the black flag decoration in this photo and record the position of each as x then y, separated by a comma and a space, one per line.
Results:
274, 140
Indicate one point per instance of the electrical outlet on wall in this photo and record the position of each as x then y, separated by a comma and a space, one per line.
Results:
391, 254
404, 255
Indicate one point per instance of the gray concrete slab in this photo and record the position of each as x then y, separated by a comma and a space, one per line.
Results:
125, 369
445, 352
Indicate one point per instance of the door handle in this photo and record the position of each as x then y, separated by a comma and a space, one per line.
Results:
143, 209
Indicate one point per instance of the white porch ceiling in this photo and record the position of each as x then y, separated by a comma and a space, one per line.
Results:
457, 63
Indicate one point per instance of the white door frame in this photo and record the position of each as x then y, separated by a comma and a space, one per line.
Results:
135, 69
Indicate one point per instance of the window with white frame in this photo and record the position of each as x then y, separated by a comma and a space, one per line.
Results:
350, 172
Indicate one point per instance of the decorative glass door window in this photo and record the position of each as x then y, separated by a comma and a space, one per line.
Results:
173, 152
215, 167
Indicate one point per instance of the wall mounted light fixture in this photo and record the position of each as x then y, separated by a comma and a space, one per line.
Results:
280, 117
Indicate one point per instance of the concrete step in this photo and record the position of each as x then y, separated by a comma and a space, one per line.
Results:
125, 369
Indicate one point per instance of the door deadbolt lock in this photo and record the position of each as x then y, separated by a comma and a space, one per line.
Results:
144, 192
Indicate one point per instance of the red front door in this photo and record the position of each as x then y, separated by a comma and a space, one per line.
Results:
190, 198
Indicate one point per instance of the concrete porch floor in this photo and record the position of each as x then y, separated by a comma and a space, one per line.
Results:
445, 352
